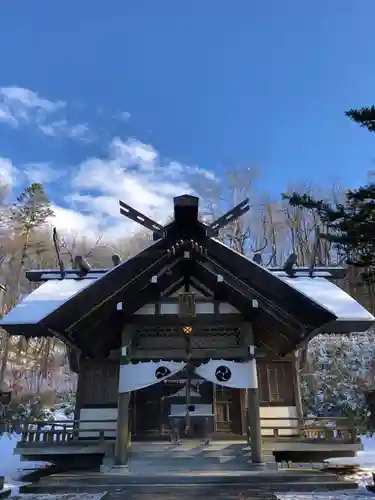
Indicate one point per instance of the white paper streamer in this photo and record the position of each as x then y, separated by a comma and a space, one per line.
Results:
230, 373
137, 376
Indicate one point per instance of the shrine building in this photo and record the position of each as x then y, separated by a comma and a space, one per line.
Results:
187, 340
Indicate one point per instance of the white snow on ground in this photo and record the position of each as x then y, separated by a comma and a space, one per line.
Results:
63, 496
338, 495
364, 460
11, 466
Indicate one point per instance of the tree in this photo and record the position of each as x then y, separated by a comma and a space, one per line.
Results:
350, 225
364, 116
31, 211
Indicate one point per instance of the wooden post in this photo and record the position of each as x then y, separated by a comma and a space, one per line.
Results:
253, 416
297, 387
122, 431
253, 400
244, 406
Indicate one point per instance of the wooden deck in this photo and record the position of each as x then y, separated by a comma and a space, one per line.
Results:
64, 442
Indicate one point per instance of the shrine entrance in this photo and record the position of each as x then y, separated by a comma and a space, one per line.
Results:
186, 407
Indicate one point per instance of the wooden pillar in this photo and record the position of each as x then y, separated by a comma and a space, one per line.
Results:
122, 431
214, 407
244, 406
253, 400
253, 416
297, 386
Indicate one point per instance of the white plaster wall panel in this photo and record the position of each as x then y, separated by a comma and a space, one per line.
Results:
169, 308
96, 414
204, 307
277, 413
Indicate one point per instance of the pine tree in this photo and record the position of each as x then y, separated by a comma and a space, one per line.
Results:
31, 211
351, 224
364, 116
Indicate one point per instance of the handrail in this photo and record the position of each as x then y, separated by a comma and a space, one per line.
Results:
312, 429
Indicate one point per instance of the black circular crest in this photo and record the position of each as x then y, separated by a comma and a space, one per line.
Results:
161, 372
223, 373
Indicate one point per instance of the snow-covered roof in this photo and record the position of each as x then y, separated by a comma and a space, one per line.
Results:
43, 301
349, 313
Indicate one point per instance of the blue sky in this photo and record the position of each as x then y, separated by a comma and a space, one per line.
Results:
102, 100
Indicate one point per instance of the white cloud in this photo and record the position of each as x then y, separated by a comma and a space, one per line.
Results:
124, 116
18, 97
9, 177
21, 106
6, 172
41, 172
73, 223
79, 131
134, 173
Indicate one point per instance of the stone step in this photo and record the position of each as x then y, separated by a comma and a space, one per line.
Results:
192, 454
192, 490
254, 475
188, 446
189, 456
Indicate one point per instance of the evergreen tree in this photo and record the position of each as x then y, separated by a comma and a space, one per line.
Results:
31, 211
350, 225
364, 116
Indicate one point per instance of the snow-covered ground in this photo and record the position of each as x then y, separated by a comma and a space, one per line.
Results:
365, 459
11, 467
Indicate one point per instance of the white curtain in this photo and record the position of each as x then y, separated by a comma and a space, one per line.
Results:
239, 375
137, 376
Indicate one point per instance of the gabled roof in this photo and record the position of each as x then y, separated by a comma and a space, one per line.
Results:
290, 309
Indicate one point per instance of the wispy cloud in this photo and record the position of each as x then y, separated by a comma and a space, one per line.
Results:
19, 105
23, 107
135, 173
42, 172
132, 171
124, 116
7, 172
80, 131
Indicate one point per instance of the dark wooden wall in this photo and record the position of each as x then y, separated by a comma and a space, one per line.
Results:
276, 383
97, 383
98, 388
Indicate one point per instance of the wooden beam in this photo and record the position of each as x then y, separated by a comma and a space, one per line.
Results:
235, 353
129, 289
230, 216
109, 287
174, 319
141, 219
266, 287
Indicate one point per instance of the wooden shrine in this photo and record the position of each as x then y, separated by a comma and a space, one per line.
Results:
186, 340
